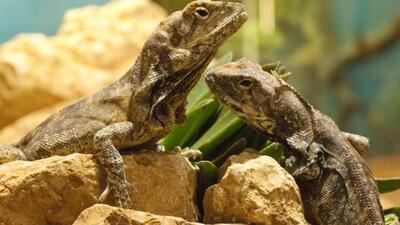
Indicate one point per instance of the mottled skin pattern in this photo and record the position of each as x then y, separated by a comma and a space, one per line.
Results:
337, 186
141, 107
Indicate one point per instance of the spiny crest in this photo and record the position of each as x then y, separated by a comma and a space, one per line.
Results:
283, 83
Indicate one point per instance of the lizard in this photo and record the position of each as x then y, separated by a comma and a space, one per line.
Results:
138, 109
336, 185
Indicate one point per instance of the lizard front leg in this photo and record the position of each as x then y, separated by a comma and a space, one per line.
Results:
307, 168
111, 159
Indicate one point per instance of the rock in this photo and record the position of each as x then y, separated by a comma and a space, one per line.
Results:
107, 215
165, 182
257, 191
244, 156
56, 189
95, 45
49, 191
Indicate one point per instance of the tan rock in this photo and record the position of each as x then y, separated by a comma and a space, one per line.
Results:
48, 191
257, 191
94, 46
107, 215
165, 183
100, 214
244, 156
55, 190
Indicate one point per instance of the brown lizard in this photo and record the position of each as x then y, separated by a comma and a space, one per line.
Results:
337, 186
141, 107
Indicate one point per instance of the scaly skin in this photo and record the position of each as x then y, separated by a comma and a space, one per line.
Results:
141, 107
336, 185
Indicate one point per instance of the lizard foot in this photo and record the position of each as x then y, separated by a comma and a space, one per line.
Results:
307, 171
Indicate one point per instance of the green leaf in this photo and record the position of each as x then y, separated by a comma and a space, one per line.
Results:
394, 210
224, 148
235, 148
269, 67
274, 150
225, 125
391, 219
388, 184
201, 107
196, 117
276, 66
254, 138
208, 173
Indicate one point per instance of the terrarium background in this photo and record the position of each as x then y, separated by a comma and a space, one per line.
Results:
305, 36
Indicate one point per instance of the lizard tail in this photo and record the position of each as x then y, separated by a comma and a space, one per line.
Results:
10, 153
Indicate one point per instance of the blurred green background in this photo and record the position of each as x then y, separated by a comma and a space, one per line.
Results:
344, 54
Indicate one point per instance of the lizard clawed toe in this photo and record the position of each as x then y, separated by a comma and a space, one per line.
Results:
104, 194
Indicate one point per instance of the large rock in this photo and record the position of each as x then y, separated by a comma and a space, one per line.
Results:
165, 182
95, 45
55, 190
257, 191
107, 215
244, 156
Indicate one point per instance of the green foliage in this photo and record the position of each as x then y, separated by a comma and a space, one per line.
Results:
394, 210
275, 150
391, 219
208, 173
201, 107
224, 127
271, 66
388, 184
196, 118
235, 148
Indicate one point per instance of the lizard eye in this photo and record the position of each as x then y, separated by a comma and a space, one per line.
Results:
244, 84
201, 13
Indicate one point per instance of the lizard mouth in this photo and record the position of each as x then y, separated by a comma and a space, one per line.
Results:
224, 30
234, 22
230, 99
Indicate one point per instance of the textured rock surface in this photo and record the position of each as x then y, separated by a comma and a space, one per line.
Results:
257, 191
246, 155
165, 183
94, 46
107, 215
55, 190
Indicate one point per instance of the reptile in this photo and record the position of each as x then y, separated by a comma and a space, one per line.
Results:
336, 185
140, 108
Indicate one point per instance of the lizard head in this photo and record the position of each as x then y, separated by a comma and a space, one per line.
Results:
265, 101
244, 88
180, 49
208, 23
